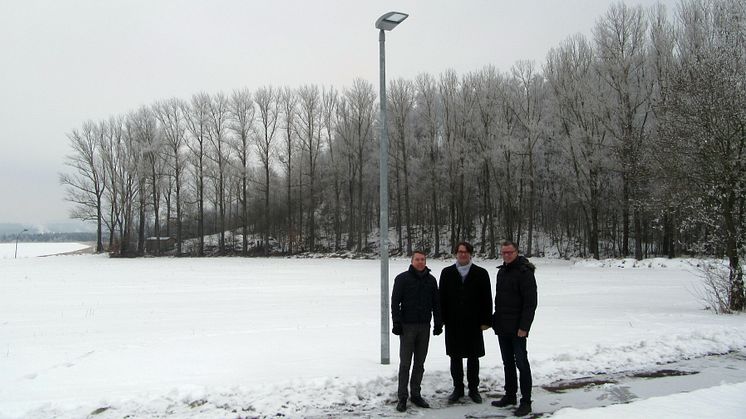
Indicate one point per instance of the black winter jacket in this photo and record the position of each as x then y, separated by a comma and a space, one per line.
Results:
414, 298
515, 297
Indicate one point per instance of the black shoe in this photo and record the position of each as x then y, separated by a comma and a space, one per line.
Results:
456, 395
505, 401
523, 409
402, 405
419, 402
474, 396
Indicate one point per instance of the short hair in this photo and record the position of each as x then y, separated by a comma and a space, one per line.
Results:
510, 243
467, 245
415, 252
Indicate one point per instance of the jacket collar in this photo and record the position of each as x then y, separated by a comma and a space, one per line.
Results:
416, 272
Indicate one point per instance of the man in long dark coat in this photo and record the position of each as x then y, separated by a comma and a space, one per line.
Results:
466, 307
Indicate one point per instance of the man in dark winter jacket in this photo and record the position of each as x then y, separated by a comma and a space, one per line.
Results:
515, 305
414, 300
466, 304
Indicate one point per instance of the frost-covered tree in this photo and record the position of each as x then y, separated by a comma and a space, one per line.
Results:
427, 134
575, 85
528, 105
620, 38
401, 105
704, 125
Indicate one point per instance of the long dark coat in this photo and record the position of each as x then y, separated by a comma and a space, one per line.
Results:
515, 297
465, 306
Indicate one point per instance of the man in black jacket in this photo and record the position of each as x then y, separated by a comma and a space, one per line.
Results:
466, 304
414, 300
515, 305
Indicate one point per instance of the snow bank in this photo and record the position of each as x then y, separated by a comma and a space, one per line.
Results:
725, 401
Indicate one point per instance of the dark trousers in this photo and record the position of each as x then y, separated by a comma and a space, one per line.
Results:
413, 341
514, 354
472, 372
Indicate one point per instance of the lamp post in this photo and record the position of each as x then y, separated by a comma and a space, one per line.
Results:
385, 23
15, 256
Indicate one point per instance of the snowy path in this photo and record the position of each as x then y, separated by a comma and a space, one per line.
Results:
602, 390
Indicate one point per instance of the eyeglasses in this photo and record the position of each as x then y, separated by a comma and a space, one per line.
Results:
508, 252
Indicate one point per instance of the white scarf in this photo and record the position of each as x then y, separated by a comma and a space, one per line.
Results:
463, 270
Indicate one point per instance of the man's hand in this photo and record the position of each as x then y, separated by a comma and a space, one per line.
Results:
437, 330
396, 329
485, 327
522, 333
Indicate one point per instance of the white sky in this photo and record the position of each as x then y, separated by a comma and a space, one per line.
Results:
64, 62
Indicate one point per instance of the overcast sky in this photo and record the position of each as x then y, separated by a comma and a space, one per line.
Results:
64, 62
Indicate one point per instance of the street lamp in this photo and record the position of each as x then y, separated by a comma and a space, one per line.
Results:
385, 23
15, 256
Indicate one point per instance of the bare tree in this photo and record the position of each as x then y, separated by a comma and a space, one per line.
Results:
127, 158
110, 153
288, 103
242, 112
355, 128
171, 116
329, 100
197, 121
151, 166
309, 129
218, 124
86, 185
269, 111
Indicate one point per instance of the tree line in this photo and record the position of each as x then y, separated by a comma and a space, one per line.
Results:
629, 142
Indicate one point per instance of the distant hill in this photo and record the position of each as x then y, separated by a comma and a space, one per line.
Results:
62, 231
49, 237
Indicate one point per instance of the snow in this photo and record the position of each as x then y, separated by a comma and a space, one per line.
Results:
724, 401
217, 337
30, 250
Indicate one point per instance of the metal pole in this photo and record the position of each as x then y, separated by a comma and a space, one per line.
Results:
15, 255
384, 203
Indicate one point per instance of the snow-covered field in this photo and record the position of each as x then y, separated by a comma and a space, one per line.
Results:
227, 337
29, 250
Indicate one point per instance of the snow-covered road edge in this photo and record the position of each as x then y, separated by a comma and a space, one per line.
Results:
724, 401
